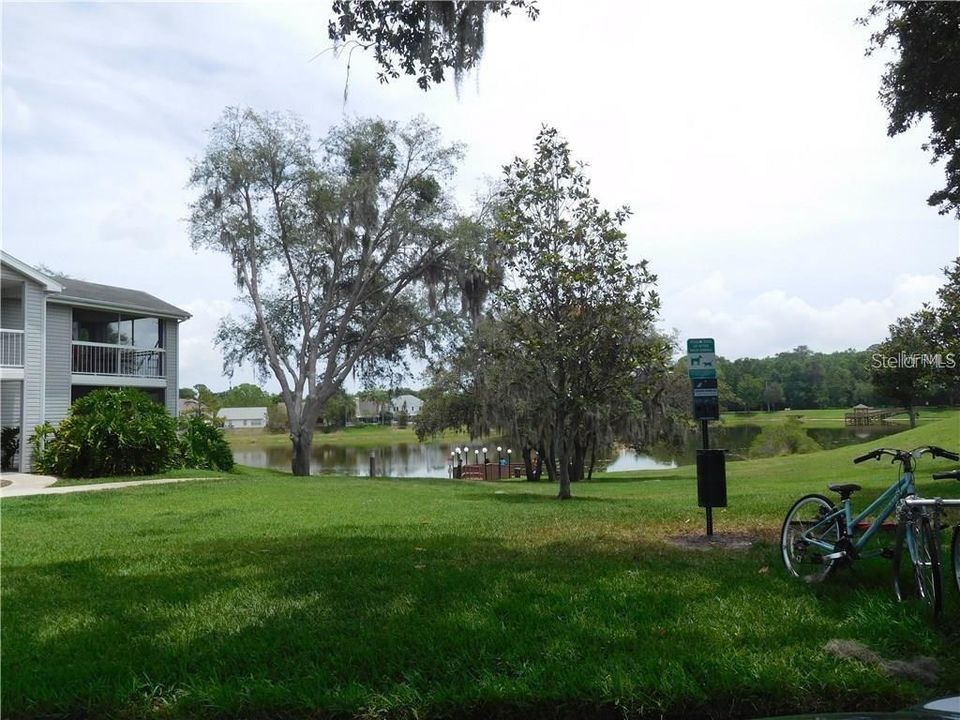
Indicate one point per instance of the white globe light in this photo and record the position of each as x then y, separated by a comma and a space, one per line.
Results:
499, 448
484, 451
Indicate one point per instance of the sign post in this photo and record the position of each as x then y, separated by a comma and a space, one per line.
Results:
711, 469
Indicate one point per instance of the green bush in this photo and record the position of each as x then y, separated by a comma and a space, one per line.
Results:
40, 443
9, 444
109, 432
203, 446
788, 438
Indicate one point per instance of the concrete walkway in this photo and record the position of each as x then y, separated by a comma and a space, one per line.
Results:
23, 484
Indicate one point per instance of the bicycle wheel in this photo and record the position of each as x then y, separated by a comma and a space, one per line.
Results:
810, 520
924, 548
955, 552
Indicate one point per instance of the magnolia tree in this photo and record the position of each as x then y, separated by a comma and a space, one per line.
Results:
333, 244
577, 312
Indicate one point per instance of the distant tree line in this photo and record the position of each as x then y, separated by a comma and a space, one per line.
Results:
917, 364
798, 378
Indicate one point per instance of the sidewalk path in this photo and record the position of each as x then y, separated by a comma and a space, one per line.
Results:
23, 484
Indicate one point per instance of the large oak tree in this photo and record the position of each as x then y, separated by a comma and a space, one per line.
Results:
421, 39
332, 245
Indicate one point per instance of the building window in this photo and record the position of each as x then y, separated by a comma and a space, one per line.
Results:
111, 328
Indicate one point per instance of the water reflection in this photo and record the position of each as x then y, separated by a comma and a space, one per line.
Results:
432, 460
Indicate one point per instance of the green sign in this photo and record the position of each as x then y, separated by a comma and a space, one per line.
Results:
701, 358
695, 346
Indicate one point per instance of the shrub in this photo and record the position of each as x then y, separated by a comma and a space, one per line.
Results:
203, 446
9, 444
40, 443
109, 432
788, 438
277, 420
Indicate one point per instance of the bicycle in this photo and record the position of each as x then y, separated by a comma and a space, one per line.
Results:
955, 542
817, 535
934, 509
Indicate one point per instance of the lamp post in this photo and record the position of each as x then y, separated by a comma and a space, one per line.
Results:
499, 461
453, 474
509, 466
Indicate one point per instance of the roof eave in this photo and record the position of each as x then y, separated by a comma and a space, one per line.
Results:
48, 283
99, 305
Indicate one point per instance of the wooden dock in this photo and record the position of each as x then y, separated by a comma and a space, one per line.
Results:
871, 416
490, 471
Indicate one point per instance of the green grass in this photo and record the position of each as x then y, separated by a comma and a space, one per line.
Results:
269, 595
825, 418
366, 436
178, 473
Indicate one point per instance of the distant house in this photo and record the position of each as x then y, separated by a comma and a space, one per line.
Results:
243, 417
410, 404
369, 410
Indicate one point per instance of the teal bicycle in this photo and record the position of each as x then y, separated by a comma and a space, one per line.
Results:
817, 536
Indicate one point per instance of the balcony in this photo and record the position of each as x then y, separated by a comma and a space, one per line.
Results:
90, 358
11, 348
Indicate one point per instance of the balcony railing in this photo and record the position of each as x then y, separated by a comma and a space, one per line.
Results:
11, 348
91, 358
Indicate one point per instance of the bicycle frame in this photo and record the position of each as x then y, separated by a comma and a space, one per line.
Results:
887, 500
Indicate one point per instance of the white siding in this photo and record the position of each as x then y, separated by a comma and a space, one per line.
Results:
34, 297
59, 339
172, 330
10, 402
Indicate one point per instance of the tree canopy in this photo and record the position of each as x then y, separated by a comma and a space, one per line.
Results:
922, 81
333, 246
420, 39
246, 395
918, 361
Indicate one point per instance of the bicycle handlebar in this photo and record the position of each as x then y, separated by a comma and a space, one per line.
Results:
903, 454
947, 475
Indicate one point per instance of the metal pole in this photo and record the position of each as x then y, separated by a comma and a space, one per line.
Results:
705, 431
372, 465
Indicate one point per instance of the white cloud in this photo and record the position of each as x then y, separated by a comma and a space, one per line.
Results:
747, 138
773, 321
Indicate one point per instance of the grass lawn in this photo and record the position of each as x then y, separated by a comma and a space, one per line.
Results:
369, 436
825, 418
269, 595
178, 473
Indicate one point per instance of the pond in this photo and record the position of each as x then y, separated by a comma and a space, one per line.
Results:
432, 459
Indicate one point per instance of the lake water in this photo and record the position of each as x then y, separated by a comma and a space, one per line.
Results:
432, 459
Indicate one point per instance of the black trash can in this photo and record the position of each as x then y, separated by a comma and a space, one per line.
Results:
711, 478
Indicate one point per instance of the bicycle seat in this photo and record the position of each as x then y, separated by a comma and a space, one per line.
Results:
845, 490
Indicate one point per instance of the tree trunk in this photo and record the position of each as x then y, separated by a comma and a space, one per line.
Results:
593, 457
564, 471
578, 462
538, 470
912, 412
560, 460
301, 452
550, 463
528, 463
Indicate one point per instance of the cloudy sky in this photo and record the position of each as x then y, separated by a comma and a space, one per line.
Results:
746, 136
